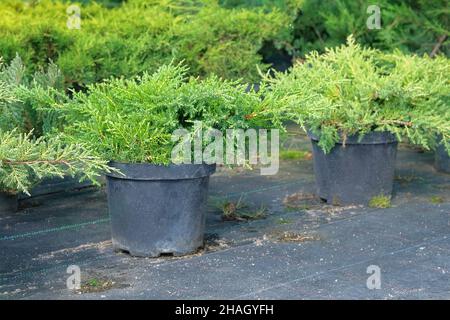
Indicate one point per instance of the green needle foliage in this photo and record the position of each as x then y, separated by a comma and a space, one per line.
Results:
408, 25
26, 109
352, 90
138, 36
133, 120
25, 156
25, 160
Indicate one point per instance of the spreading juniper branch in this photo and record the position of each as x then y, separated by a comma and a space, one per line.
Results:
355, 90
24, 161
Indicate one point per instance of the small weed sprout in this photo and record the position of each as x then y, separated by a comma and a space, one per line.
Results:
295, 155
436, 200
380, 201
239, 211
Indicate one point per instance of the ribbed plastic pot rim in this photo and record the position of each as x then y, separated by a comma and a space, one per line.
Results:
373, 137
149, 171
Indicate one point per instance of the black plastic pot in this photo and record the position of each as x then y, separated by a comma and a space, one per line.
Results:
358, 171
8, 203
441, 159
158, 210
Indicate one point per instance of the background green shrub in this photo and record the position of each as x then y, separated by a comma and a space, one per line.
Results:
139, 36
408, 25
224, 41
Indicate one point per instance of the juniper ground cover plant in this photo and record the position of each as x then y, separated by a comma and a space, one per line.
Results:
138, 36
27, 108
353, 90
133, 120
27, 155
24, 161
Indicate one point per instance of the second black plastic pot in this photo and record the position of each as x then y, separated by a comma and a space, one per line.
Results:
442, 159
357, 172
8, 203
158, 210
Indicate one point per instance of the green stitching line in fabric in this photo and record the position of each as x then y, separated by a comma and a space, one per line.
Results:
71, 226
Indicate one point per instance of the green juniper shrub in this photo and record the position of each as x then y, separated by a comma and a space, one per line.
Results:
425, 81
132, 120
352, 90
224, 41
408, 25
25, 160
32, 95
139, 36
28, 108
26, 156
36, 31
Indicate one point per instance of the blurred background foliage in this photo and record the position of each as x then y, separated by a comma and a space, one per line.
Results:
409, 25
230, 38
139, 36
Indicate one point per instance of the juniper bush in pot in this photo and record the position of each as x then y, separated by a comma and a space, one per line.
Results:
156, 206
356, 103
